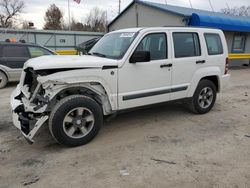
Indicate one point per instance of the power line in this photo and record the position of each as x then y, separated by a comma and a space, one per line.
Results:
190, 4
211, 5
227, 4
119, 11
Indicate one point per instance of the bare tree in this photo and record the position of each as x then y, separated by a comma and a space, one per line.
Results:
75, 25
237, 11
97, 20
53, 18
9, 11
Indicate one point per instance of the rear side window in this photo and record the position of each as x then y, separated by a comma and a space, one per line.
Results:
15, 51
214, 45
37, 51
186, 44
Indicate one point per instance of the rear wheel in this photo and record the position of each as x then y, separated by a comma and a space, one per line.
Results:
204, 97
3, 80
75, 120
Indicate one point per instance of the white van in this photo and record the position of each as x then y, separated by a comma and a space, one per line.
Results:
125, 69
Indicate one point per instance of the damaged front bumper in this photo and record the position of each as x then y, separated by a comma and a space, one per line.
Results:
27, 121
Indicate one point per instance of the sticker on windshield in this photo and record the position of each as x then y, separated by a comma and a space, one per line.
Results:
128, 35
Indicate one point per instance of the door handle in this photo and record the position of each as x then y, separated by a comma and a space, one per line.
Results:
200, 61
166, 65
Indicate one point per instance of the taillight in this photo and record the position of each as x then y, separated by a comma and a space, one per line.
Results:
226, 66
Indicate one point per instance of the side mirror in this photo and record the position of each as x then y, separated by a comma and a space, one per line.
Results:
140, 56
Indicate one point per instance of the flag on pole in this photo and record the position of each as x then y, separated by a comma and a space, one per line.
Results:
78, 1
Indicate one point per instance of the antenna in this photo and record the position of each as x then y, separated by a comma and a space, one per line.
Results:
166, 2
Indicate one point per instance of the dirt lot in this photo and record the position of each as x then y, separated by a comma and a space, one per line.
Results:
164, 146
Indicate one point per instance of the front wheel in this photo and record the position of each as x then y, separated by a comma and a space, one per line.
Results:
204, 97
75, 120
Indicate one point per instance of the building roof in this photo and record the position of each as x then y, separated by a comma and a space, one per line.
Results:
188, 12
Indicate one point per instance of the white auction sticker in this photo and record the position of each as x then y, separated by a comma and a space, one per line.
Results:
129, 35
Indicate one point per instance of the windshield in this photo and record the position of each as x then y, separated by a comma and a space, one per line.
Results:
113, 45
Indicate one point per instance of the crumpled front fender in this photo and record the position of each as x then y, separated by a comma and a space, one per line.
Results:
56, 82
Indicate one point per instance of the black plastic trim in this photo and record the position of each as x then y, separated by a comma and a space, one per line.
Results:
178, 89
149, 94
109, 67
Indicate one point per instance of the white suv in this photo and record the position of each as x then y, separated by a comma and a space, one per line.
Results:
125, 69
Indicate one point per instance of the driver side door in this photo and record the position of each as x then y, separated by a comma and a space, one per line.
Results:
144, 83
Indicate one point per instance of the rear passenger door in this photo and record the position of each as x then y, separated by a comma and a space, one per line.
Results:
15, 56
187, 58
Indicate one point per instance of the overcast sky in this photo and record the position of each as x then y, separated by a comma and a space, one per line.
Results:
35, 9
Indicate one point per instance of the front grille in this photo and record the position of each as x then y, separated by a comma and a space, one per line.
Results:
30, 80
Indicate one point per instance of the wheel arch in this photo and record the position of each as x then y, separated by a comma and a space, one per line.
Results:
214, 79
94, 90
209, 73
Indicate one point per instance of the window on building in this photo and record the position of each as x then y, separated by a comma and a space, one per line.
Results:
186, 44
214, 45
156, 44
37, 51
239, 42
15, 51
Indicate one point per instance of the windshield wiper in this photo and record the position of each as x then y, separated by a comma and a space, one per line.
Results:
99, 54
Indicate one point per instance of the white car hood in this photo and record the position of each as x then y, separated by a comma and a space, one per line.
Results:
69, 61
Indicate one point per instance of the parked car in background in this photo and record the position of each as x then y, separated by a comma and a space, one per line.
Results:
13, 55
125, 69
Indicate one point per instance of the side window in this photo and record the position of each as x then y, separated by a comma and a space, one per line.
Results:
156, 44
15, 51
186, 44
214, 45
37, 51
239, 43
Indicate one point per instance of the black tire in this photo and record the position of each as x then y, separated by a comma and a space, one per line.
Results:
62, 110
195, 104
3, 80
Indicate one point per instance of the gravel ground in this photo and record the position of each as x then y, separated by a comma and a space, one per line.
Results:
163, 146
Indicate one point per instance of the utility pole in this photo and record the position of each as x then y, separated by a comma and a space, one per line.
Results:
166, 2
69, 14
119, 11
